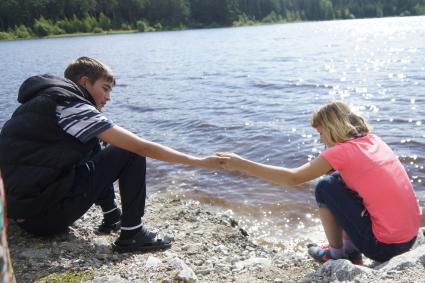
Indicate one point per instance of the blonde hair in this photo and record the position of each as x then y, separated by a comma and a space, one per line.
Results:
339, 123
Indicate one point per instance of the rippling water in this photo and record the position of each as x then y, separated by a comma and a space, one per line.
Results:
250, 90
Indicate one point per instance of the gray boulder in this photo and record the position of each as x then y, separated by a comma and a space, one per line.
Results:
406, 260
340, 270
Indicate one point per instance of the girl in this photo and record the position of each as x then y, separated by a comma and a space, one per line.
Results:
367, 205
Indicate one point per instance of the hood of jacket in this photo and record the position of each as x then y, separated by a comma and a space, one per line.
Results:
49, 84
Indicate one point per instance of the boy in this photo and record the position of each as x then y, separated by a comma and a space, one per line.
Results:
54, 168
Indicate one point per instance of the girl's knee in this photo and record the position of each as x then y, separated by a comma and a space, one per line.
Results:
325, 187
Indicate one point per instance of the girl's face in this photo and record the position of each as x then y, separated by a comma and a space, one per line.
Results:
324, 138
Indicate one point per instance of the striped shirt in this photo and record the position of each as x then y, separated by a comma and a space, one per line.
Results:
81, 120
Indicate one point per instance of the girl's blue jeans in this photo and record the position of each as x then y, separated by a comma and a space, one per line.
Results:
350, 213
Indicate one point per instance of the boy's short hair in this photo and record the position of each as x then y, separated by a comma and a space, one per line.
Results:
89, 67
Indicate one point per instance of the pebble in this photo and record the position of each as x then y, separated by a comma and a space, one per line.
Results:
152, 262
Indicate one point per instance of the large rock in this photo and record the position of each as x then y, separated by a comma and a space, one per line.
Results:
403, 261
344, 270
340, 270
413, 257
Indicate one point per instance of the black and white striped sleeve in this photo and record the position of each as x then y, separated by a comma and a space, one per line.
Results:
81, 120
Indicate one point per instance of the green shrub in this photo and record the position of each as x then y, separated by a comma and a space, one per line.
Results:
419, 9
293, 16
6, 35
244, 20
43, 27
88, 24
22, 32
405, 14
142, 26
271, 18
76, 24
67, 25
97, 30
104, 22
158, 26
125, 26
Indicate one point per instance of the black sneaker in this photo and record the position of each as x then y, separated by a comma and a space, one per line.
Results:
143, 241
107, 228
111, 222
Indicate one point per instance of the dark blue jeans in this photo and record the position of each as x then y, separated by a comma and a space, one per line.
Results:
93, 183
348, 209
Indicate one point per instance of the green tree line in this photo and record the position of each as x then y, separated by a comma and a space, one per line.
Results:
29, 18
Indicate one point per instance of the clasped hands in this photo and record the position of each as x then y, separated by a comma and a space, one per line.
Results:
222, 160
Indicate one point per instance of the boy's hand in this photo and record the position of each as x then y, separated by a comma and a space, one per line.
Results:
232, 161
212, 162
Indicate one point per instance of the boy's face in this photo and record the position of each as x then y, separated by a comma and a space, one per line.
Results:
100, 91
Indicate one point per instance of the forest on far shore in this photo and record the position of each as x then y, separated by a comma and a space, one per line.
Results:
40, 18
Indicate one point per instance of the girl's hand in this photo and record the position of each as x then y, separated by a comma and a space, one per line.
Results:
212, 162
232, 161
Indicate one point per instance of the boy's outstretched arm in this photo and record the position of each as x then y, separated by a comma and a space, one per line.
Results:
124, 139
278, 175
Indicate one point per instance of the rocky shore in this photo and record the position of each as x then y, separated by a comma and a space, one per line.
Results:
210, 246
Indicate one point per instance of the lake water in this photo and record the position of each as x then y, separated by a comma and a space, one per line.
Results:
250, 90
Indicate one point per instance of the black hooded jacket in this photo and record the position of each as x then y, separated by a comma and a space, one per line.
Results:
37, 157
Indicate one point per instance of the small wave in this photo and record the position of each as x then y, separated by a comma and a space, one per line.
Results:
118, 85
281, 59
394, 121
197, 124
395, 139
412, 159
290, 85
194, 78
214, 74
217, 86
141, 109
241, 76
311, 85
414, 143
419, 78
264, 85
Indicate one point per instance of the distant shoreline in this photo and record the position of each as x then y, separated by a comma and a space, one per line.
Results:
79, 34
112, 32
257, 23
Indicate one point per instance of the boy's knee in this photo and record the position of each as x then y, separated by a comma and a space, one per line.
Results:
137, 161
130, 156
138, 158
